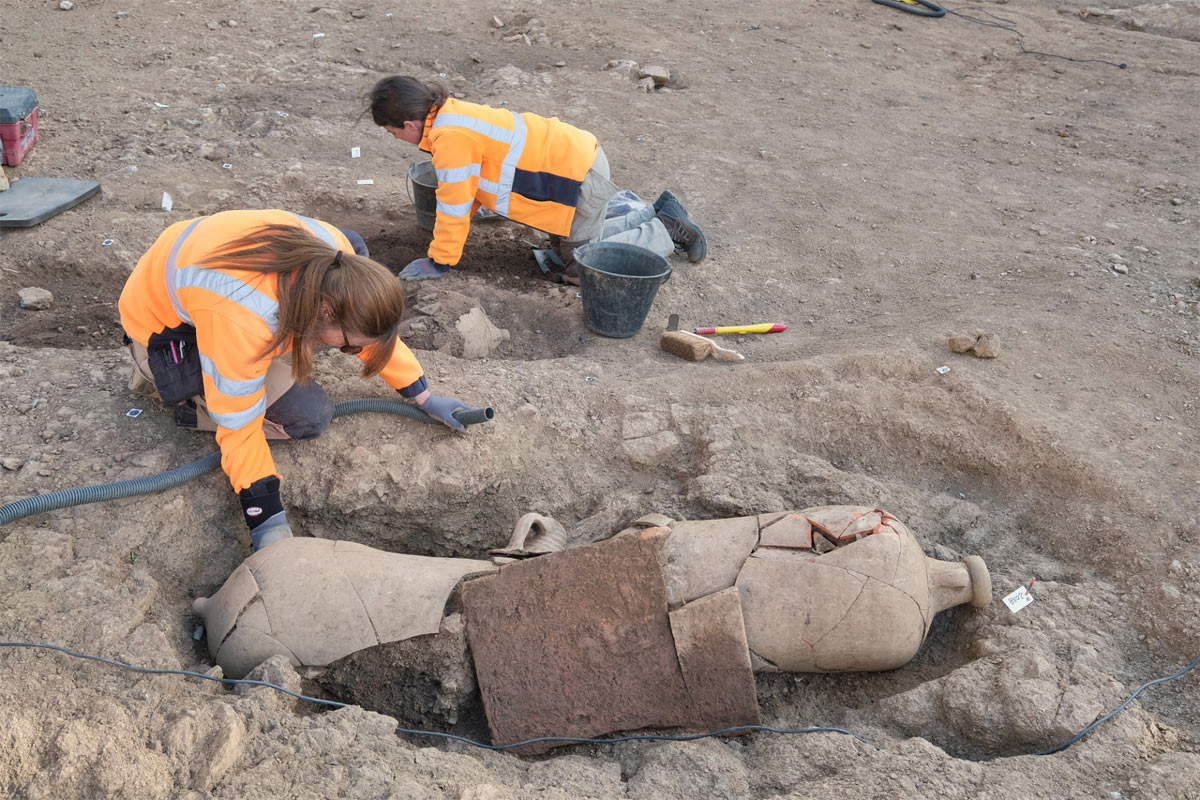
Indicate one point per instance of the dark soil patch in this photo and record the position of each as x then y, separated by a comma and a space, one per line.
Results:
500, 251
84, 313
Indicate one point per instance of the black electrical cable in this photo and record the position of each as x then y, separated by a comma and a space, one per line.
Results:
642, 737
1011, 26
1120, 708
439, 734
933, 10
915, 7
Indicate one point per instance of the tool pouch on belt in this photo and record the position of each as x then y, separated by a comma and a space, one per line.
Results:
174, 361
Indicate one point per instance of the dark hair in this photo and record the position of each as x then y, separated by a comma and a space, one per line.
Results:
363, 295
396, 100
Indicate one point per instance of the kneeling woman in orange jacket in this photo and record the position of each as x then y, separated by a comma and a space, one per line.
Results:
535, 170
215, 305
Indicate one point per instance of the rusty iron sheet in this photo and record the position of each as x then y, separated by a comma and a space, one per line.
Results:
710, 641
578, 643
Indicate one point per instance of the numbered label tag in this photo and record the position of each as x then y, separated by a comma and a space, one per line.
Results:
1018, 599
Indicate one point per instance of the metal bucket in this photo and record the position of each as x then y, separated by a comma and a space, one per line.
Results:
422, 190
618, 283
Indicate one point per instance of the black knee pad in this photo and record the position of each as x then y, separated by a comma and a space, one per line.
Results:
304, 411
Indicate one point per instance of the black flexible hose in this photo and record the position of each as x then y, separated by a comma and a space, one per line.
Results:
930, 10
174, 477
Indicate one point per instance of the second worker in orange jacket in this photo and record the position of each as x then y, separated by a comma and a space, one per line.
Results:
539, 171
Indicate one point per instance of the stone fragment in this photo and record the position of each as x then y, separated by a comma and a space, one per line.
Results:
66, 5
12, 464
986, 347
646, 84
660, 75
1119, 268
623, 66
497, 22
277, 670
480, 337
35, 298
960, 344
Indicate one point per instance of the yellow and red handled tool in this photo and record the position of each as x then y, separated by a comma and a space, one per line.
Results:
762, 327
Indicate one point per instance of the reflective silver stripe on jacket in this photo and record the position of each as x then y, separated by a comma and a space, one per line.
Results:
318, 230
170, 274
240, 419
231, 288
515, 139
230, 386
215, 281
457, 174
508, 169
454, 209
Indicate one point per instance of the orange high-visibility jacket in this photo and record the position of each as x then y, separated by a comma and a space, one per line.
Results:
522, 166
234, 313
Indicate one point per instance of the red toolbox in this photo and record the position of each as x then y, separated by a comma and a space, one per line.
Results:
18, 122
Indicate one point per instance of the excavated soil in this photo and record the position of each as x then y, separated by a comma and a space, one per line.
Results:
877, 180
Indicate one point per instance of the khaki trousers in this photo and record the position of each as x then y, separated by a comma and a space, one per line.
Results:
279, 380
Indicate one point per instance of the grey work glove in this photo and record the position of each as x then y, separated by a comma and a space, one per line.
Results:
270, 531
262, 508
423, 269
443, 408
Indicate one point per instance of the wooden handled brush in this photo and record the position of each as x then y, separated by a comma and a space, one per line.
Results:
691, 347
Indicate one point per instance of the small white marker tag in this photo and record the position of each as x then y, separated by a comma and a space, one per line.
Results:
942, 370
227, 166
365, 182
1018, 599
355, 152
167, 202
133, 412
106, 243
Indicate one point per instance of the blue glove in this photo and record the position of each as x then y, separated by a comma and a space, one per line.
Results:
422, 269
443, 408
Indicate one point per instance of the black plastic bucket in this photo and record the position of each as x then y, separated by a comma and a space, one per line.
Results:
422, 190
618, 283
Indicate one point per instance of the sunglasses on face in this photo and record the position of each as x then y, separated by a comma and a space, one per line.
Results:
347, 348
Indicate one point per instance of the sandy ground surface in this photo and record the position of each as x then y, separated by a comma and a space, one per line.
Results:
877, 180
